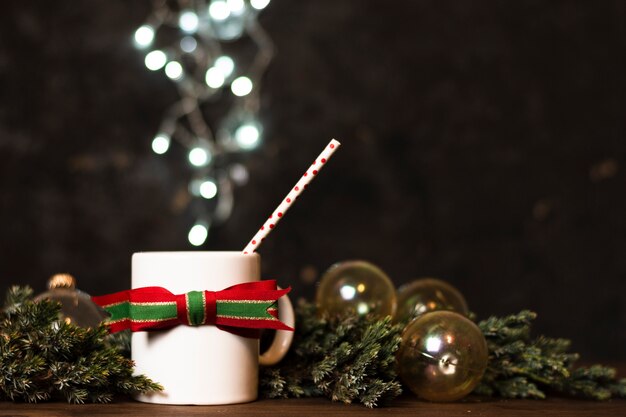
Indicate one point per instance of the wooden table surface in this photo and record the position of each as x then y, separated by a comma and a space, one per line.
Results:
407, 405
318, 407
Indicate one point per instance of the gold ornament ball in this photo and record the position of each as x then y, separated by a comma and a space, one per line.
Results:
428, 294
358, 286
442, 356
76, 306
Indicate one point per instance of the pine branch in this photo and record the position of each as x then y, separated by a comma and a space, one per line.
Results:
17, 295
120, 341
521, 367
345, 358
349, 358
43, 357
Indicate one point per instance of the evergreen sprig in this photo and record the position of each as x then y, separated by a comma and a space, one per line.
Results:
523, 367
42, 357
346, 358
349, 358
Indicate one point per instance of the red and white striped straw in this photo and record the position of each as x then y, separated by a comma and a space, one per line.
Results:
291, 197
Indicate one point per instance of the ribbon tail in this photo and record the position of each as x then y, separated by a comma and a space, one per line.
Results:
117, 305
239, 308
132, 309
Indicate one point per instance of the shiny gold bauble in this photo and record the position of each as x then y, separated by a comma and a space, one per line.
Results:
428, 294
76, 306
442, 356
357, 286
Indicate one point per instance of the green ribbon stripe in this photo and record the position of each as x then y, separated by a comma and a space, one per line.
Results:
154, 312
242, 309
195, 305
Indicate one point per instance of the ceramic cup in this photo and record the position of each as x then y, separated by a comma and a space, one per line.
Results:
202, 364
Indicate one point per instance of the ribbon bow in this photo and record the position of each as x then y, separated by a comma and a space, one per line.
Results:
250, 305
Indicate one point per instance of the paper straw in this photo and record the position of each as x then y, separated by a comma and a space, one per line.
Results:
291, 197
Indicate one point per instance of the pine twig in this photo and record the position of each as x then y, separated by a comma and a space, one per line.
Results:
345, 358
522, 367
42, 357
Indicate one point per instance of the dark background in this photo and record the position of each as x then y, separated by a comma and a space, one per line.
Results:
484, 143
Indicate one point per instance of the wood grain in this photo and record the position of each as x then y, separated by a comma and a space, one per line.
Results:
405, 406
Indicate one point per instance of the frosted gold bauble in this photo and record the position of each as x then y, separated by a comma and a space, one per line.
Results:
442, 356
357, 286
428, 294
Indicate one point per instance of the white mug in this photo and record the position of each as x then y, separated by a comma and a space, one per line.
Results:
202, 364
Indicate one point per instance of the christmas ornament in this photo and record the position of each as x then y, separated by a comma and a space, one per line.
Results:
76, 306
442, 356
358, 286
242, 306
428, 294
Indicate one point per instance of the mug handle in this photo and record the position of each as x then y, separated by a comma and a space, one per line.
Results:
282, 340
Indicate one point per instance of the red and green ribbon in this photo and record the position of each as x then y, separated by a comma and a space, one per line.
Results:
250, 305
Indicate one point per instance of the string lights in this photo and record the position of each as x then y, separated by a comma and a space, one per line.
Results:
203, 46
